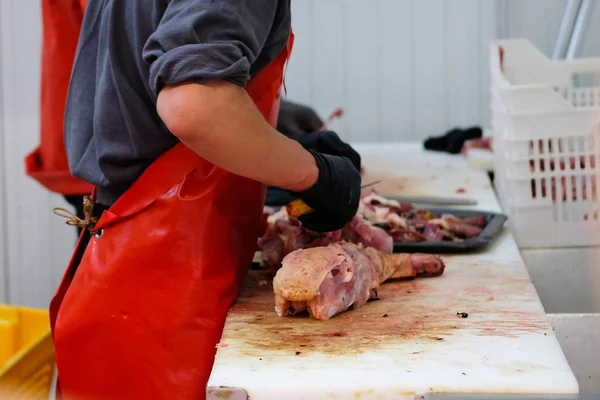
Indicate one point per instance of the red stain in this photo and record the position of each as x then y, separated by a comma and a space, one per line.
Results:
417, 313
479, 292
336, 334
461, 190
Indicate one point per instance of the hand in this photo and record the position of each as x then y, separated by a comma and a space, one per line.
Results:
328, 142
335, 197
296, 120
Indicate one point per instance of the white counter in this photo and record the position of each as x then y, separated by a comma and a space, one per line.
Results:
506, 345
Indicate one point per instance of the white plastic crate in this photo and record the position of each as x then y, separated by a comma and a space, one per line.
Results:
546, 127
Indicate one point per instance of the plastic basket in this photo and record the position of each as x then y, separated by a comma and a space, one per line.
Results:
546, 127
27, 358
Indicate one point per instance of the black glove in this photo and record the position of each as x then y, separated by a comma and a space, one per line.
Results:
328, 142
325, 142
335, 197
296, 120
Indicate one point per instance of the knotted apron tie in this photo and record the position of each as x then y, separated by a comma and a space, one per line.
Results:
73, 220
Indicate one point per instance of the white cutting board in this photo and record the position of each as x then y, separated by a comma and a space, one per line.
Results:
504, 346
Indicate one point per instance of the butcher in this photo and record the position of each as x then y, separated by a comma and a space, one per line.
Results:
47, 164
170, 116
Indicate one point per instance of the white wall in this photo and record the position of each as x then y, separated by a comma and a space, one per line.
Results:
401, 69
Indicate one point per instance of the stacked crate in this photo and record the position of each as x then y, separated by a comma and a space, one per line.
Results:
546, 127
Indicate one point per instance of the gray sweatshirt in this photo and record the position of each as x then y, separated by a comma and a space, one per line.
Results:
129, 49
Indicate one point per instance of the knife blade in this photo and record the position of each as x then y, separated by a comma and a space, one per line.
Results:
450, 201
371, 184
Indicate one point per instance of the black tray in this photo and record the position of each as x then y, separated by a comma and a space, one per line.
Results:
495, 223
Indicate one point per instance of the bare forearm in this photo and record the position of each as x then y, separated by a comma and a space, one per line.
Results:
220, 122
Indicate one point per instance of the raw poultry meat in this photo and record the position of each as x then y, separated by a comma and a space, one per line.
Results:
285, 235
325, 281
378, 223
406, 224
483, 143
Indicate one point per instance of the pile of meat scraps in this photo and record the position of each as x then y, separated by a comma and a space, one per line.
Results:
406, 224
326, 281
285, 234
379, 222
325, 274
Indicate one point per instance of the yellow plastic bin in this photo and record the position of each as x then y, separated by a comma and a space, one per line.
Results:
27, 357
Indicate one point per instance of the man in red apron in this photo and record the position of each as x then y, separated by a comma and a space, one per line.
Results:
61, 20
170, 117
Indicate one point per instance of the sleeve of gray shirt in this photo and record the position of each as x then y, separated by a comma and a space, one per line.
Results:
208, 40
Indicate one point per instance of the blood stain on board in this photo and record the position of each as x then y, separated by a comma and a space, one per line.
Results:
461, 190
419, 317
351, 333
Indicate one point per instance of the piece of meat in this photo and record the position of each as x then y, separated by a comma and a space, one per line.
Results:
364, 192
434, 232
426, 265
478, 221
452, 224
417, 223
284, 235
326, 281
404, 265
479, 143
450, 218
464, 230
370, 202
406, 235
396, 221
360, 231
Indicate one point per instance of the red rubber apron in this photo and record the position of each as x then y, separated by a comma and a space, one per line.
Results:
146, 308
48, 162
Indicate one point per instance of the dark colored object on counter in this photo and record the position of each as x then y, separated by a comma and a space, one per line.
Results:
462, 314
453, 141
296, 120
493, 227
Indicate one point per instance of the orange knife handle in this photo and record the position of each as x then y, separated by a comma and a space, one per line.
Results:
298, 208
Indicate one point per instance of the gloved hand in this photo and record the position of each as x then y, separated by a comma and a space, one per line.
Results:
335, 197
296, 120
328, 142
